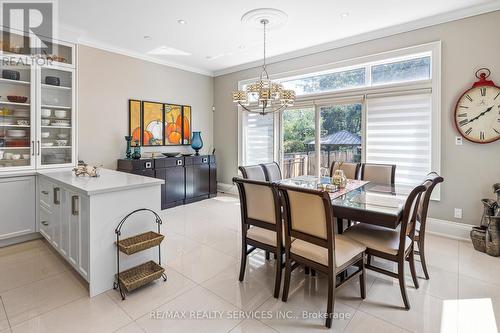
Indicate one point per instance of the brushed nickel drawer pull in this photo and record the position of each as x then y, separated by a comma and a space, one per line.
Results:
74, 205
56, 195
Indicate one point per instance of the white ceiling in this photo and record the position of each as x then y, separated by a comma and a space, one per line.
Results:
214, 28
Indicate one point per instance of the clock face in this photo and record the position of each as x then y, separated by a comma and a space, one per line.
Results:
477, 114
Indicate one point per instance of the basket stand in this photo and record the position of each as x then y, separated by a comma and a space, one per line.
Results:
140, 275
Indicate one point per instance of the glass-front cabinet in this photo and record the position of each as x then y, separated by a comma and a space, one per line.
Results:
37, 113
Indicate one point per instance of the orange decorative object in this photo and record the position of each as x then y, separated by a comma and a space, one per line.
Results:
185, 125
175, 137
147, 136
136, 134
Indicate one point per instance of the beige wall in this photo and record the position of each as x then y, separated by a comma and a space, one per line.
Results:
105, 83
468, 44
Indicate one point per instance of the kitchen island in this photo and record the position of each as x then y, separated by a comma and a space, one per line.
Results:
78, 217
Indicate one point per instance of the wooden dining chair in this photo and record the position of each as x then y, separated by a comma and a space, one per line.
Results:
433, 179
310, 241
351, 170
261, 223
395, 245
272, 171
378, 173
253, 172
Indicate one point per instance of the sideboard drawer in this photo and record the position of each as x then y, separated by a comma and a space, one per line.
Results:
168, 162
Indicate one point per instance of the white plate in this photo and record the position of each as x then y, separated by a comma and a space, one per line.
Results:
47, 144
16, 133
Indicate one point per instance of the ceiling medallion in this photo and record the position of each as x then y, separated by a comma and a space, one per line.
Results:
264, 96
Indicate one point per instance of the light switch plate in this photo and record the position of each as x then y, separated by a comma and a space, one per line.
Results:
458, 213
458, 140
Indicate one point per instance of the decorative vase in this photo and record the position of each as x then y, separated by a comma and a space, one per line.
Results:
339, 178
128, 138
196, 142
137, 151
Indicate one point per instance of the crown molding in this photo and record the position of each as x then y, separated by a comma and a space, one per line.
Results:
376, 34
138, 55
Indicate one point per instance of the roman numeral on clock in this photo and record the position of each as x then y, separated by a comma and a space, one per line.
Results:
462, 114
468, 131
496, 131
469, 98
463, 107
481, 135
463, 122
483, 91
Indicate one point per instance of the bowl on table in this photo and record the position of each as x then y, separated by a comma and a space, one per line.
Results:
17, 99
45, 122
46, 113
170, 154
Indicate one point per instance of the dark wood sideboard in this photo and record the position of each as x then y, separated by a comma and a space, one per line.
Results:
187, 178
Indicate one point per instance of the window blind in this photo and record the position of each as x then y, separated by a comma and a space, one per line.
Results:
258, 138
398, 131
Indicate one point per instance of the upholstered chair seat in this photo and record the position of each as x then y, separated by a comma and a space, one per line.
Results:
262, 235
377, 238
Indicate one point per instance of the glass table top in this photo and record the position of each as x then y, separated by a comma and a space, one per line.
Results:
369, 197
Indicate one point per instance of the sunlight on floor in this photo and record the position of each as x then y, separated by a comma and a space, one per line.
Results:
474, 315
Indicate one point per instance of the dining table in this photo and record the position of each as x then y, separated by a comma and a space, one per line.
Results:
362, 201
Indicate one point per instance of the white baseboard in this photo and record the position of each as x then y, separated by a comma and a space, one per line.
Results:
449, 229
227, 188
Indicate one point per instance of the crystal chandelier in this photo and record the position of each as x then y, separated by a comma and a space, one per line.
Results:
264, 96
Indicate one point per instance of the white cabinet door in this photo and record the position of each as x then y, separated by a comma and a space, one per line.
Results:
17, 206
78, 254
65, 221
55, 226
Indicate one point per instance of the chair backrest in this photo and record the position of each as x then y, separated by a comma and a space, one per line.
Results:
430, 183
379, 173
351, 170
260, 205
253, 172
408, 221
272, 171
308, 217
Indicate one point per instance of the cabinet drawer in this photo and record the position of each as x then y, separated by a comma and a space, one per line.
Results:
197, 160
44, 222
168, 162
46, 193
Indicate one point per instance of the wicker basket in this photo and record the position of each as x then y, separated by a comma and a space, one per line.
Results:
140, 242
138, 276
478, 237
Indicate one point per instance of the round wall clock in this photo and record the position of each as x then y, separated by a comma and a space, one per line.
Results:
477, 113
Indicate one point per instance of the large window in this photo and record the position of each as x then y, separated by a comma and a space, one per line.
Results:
378, 109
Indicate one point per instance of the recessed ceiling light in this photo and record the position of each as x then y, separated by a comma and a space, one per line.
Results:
182, 21
165, 50
344, 15
148, 37
241, 47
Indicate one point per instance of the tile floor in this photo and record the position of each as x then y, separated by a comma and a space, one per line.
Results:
40, 293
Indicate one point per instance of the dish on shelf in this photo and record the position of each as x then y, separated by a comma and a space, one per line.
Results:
52, 81
47, 144
61, 142
16, 156
46, 112
23, 122
1, 154
17, 99
54, 57
62, 135
45, 135
21, 113
61, 123
25, 156
170, 154
18, 143
60, 113
11, 75
6, 121
5, 112
45, 122
15, 133
7, 156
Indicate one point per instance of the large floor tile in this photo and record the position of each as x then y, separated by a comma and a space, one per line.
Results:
363, 323
151, 296
18, 270
202, 263
4, 322
441, 252
130, 328
190, 314
252, 326
478, 315
442, 283
31, 300
176, 245
98, 314
246, 295
478, 265
427, 313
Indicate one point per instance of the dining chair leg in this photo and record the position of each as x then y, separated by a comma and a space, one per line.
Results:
362, 279
411, 261
313, 272
277, 282
402, 285
369, 259
331, 300
306, 270
243, 260
288, 273
267, 255
421, 250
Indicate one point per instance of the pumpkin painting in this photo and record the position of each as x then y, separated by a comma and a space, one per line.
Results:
173, 132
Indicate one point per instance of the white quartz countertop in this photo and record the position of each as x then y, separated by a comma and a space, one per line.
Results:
108, 181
